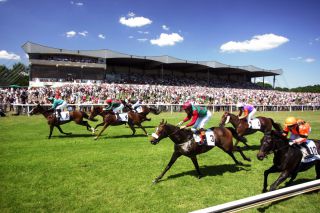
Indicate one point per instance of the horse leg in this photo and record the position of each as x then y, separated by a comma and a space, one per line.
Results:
132, 128
101, 124
229, 150
60, 130
86, 124
237, 148
284, 175
196, 165
103, 128
173, 159
145, 132
272, 169
51, 129
317, 167
293, 176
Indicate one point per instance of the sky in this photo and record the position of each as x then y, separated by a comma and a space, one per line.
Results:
270, 34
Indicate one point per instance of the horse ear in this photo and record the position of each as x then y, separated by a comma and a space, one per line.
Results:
165, 123
162, 121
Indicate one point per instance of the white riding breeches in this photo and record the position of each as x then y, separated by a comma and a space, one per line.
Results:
201, 121
118, 109
250, 116
62, 106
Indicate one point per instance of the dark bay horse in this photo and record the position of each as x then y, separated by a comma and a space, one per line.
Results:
76, 116
184, 144
286, 160
110, 118
242, 127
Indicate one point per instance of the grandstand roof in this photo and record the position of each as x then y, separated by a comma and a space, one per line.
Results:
154, 61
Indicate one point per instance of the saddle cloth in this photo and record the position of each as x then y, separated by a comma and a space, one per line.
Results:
209, 140
255, 123
65, 116
314, 155
139, 109
123, 117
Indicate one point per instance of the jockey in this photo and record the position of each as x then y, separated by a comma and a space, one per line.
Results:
248, 111
299, 130
57, 105
114, 105
200, 116
136, 105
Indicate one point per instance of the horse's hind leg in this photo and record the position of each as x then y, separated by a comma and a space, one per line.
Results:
132, 128
284, 175
145, 132
317, 167
60, 130
237, 148
86, 124
230, 153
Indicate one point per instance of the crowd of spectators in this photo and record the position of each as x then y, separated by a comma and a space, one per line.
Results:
155, 94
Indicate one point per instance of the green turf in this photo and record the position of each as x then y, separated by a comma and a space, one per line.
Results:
114, 174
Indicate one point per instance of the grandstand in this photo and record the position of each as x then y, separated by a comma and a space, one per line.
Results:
50, 65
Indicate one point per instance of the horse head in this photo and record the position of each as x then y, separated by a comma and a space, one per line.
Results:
270, 142
224, 119
36, 110
161, 132
96, 110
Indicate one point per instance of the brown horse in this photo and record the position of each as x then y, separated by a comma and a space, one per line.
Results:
287, 159
76, 116
144, 110
110, 118
184, 144
242, 127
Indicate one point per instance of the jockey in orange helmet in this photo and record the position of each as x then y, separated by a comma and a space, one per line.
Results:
299, 131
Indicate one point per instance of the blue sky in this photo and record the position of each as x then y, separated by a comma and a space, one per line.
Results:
270, 34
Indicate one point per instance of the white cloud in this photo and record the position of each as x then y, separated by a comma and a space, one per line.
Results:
102, 36
143, 32
3, 0
167, 39
165, 27
309, 60
6, 55
301, 59
257, 43
71, 34
135, 21
131, 14
83, 33
76, 3
130, 37
142, 39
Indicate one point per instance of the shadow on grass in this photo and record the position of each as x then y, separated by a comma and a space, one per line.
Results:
251, 147
124, 136
73, 136
211, 170
295, 182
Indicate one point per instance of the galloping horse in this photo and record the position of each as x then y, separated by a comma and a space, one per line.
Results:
76, 116
109, 118
184, 144
287, 159
144, 110
242, 127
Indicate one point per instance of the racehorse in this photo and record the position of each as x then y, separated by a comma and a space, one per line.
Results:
184, 144
144, 110
242, 127
110, 118
53, 121
287, 159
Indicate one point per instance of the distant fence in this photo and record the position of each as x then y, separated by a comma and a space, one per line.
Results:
24, 108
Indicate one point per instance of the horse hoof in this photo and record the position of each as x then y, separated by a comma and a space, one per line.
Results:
155, 181
248, 159
95, 138
240, 163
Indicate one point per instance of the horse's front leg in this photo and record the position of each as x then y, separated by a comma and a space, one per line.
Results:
196, 165
60, 130
131, 125
101, 124
51, 130
272, 169
173, 159
284, 175
103, 128
145, 132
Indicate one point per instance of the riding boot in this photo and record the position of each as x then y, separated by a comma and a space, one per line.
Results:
59, 114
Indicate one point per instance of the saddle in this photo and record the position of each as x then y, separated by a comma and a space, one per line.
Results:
204, 137
309, 152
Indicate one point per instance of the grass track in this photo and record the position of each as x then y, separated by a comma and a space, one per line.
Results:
114, 174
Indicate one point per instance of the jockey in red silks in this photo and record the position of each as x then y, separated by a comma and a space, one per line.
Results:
200, 116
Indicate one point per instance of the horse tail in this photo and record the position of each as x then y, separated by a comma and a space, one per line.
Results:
277, 126
236, 136
154, 111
